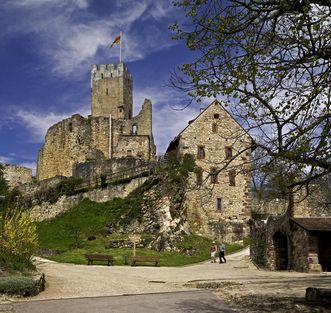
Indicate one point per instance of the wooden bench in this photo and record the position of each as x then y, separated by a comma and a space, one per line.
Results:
98, 257
135, 259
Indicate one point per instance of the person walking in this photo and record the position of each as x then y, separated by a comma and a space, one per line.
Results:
222, 252
213, 251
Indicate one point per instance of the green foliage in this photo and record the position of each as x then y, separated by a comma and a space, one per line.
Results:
18, 239
269, 62
17, 285
70, 186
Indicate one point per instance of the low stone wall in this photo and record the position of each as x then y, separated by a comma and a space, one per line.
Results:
17, 175
47, 211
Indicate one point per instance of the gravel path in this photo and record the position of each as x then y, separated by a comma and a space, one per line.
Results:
71, 281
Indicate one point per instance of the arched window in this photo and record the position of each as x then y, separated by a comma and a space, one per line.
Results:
134, 130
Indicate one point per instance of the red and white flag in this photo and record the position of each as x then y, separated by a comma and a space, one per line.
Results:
116, 41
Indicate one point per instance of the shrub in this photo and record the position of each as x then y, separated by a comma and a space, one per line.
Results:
18, 285
18, 238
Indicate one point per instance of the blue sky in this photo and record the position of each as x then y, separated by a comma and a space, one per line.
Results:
47, 47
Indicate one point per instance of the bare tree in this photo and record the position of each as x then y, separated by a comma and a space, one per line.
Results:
270, 63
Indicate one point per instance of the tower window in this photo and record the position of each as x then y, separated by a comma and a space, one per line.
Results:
216, 116
101, 75
219, 204
214, 128
232, 178
70, 127
213, 176
107, 92
228, 153
201, 152
199, 178
134, 130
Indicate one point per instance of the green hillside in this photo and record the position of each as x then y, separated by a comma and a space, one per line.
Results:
65, 238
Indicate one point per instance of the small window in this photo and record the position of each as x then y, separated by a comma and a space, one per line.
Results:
219, 204
216, 116
228, 153
213, 176
101, 75
70, 127
199, 178
107, 92
134, 130
120, 110
214, 128
201, 152
128, 153
140, 154
232, 178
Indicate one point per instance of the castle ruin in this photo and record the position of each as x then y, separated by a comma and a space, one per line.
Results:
109, 132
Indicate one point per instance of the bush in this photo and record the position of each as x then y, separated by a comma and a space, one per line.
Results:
18, 285
18, 238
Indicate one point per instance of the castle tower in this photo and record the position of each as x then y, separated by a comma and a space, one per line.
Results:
111, 88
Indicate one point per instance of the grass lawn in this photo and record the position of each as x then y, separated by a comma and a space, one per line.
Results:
67, 235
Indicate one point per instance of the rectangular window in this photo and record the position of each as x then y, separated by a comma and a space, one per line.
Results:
232, 178
201, 152
213, 176
228, 153
214, 128
216, 116
219, 204
199, 178
129, 152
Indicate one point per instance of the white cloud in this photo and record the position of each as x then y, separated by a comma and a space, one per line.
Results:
71, 37
5, 159
170, 113
37, 123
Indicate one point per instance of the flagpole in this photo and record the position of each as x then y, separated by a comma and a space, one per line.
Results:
121, 34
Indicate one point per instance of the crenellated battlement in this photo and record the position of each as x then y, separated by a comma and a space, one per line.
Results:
101, 71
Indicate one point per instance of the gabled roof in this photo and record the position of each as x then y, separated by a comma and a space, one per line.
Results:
174, 142
313, 223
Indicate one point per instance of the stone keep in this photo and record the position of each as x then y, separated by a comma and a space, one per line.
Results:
218, 200
110, 131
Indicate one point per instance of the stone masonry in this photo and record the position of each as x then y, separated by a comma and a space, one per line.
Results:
109, 132
17, 175
218, 200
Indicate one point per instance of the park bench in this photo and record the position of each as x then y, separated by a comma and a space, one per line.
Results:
98, 257
135, 259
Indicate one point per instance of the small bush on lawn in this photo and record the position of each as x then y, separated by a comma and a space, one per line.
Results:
17, 285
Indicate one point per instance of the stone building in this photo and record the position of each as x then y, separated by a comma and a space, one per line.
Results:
17, 175
218, 200
298, 241
109, 132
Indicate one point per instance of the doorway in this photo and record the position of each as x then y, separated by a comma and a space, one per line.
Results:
281, 247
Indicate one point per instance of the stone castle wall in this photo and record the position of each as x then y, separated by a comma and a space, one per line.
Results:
17, 175
70, 141
47, 211
218, 208
109, 132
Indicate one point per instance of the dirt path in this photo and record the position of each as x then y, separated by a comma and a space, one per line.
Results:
236, 281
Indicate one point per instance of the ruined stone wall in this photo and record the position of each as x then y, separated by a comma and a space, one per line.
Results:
111, 89
313, 204
47, 211
91, 171
136, 146
218, 208
70, 141
17, 175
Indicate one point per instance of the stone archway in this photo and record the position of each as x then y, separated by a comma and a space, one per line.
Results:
281, 249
